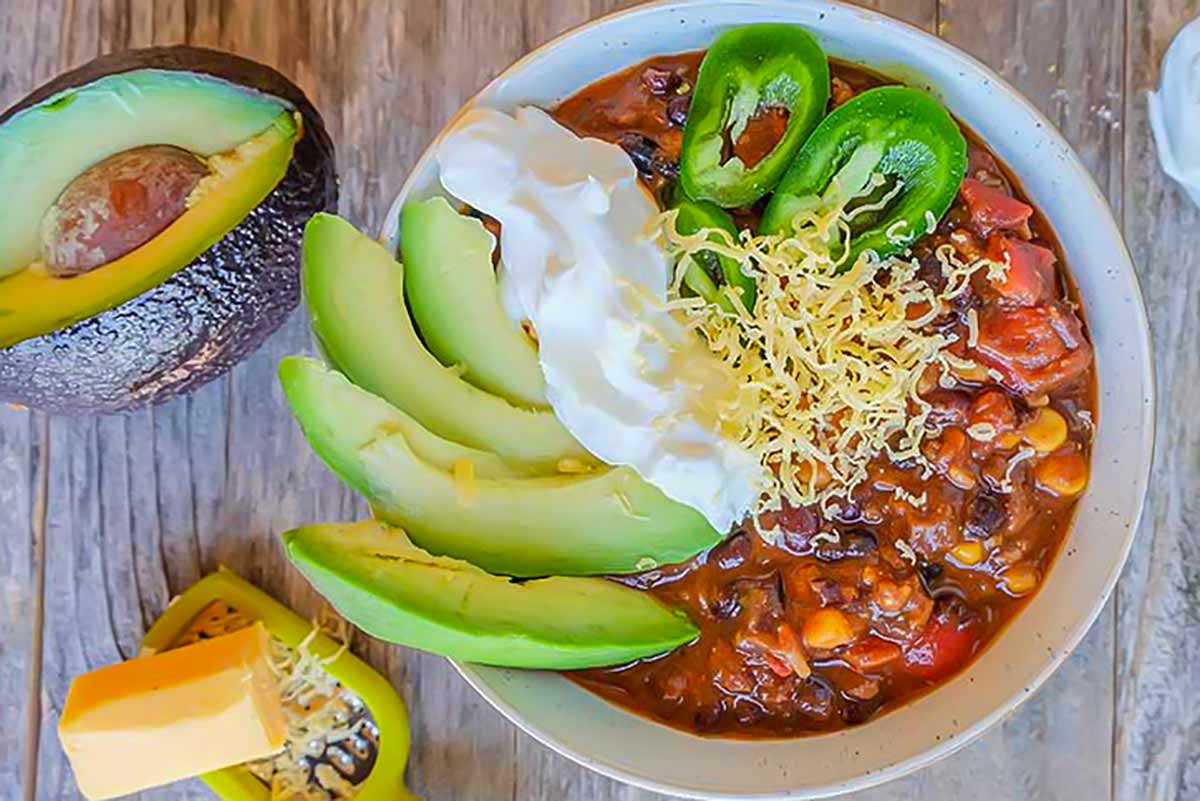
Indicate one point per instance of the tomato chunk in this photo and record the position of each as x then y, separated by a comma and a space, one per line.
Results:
993, 209
995, 409
1029, 279
947, 642
871, 653
1035, 349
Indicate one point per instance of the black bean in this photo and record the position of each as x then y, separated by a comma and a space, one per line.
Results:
647, 156
660, 81
726, 605
761, 599
855, 711
641, 149
936, 583
985, 516
708, 716
733, 552
852, 543
677, 110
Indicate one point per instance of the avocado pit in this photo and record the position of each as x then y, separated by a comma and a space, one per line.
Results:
116, 206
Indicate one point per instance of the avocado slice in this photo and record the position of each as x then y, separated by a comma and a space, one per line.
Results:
361, 418
451, 288
376, 578
244, 177
139, 317
355, 295
595, 523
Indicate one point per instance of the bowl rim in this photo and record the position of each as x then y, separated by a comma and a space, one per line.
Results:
471, 673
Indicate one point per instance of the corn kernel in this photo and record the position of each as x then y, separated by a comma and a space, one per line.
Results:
968, 553
1020, 579
826, 629
976, 373
1046, 432
1064, 473
1008, 440
962, 476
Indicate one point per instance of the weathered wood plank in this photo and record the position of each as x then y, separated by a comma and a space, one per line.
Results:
28, 60
20, 454
1157, 748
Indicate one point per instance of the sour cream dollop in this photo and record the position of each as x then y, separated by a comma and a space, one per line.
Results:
1175, 110
579, 260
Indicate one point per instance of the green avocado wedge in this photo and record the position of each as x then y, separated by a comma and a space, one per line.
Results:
609, 521
355, 295
451, 288
375, 577
314, 389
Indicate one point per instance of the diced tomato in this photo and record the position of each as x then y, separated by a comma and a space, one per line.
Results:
945, 644
994, 408
1036, 349
870, 654
1029, 279
993, 209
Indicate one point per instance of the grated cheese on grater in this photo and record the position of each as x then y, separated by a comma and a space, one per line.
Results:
830, 357
324, 719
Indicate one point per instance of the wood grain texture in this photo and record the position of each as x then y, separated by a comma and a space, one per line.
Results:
1156, 753
145, 503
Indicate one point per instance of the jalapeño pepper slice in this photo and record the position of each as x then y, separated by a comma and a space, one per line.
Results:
708, 269
767, 72
902, 133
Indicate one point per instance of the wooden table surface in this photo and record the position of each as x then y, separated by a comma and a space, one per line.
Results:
141, 505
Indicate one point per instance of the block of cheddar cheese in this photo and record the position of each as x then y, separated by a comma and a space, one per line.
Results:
179, 713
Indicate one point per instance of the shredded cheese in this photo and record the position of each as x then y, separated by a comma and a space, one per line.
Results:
832, 537
906, 552
982, 432
916, 501
1006, 484
463, 473
830, 357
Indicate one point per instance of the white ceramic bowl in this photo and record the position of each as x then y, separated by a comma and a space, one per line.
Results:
622, 745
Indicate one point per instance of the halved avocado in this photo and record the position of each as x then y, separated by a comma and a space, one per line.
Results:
355, 295
376, 578
249, 174
451, 288
178, 308
596, 523
363, 418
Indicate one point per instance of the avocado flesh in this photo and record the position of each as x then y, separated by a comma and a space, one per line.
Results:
355, 295
360, 418
33, 302
451, 288
44, 147
604, 522
376, 578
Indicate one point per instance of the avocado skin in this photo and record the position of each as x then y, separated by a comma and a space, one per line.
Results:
196, 325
